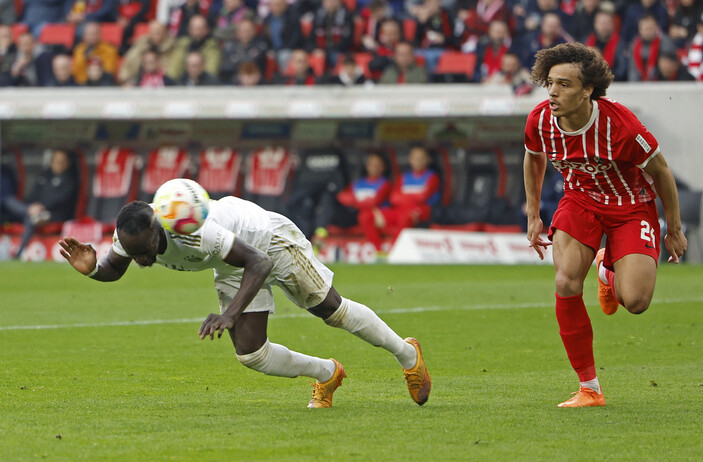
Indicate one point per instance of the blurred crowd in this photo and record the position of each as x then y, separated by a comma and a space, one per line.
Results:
156, 43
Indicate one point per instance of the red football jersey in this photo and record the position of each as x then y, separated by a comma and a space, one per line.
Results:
604, 159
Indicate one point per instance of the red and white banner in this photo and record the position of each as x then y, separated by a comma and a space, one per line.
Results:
422, 246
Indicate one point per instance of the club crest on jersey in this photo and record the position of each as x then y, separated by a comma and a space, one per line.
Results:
586, 167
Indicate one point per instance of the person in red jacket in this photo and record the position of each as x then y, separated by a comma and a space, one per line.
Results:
411, 200
368, 194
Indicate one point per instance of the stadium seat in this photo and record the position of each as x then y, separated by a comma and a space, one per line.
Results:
306, 27
358, 33
268, 177
362, 60
351, 5
111, 33
163, 164
114, 184
322, 173
58, 34
17, 30
220, 171
456, 66
316, 62
480, 198
271, 67
409, 28
140, 29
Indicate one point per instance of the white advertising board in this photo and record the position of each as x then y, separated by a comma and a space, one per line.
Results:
423, 246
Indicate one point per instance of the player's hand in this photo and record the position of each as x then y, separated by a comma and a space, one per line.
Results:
534, 228
676, 244
215, 323
81, 256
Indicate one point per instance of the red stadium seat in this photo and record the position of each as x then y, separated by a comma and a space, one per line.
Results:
219, 172
409, 27
114, 183
317, 63
306, 27
271, 67
58, 34
139, 30
268, 171
362, 60
17, 30
456, 62
163, 164
351, 5
111, 33
358, 33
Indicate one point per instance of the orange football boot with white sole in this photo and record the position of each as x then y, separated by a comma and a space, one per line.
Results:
585, 397
418, 379
608, 303
322, 392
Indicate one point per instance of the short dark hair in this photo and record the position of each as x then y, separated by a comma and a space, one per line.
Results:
135, 217
594, 69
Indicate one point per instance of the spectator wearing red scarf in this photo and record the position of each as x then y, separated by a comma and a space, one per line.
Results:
491, 49
645, 50
477, 21
607, 41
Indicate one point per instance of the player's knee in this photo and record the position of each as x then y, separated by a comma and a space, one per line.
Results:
637, 305
567, 285
256, 359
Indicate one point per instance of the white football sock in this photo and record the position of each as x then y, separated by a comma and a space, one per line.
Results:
361, 321
601, 274
275, 359
592, 384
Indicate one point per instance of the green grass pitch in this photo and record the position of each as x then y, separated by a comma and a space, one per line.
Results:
118, 372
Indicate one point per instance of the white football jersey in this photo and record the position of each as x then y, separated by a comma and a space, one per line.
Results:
228, 219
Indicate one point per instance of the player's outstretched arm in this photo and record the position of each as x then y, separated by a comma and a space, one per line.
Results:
665, 184
84, 259
534, 166
257, 266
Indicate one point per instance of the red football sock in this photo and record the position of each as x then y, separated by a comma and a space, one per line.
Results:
577, 335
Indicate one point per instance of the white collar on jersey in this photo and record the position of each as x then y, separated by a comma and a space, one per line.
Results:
583, 129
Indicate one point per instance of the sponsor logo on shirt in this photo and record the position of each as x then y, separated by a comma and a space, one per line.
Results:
640, 139
589, 168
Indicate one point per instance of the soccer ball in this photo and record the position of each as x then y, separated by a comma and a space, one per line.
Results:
182, 205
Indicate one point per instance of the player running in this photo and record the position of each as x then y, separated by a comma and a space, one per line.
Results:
607, 158
252, 250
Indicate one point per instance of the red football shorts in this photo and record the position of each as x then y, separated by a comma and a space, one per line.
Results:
629, 229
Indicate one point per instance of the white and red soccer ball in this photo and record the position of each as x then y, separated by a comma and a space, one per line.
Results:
181, 205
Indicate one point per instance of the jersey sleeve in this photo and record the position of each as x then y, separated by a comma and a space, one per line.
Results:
117, 246
640, 144
533, 142
216, 240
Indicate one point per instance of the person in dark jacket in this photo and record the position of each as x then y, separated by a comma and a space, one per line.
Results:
281, 29
195, 75
53, 197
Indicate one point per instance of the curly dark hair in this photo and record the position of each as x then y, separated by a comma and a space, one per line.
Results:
594, 69
135, 217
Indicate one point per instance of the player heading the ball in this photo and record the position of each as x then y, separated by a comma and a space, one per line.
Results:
251, 250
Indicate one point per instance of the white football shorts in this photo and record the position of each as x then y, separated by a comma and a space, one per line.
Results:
296, 270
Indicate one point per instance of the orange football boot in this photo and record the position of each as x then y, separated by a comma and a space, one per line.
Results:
418, 379
608, 303
322, 392
583, 398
